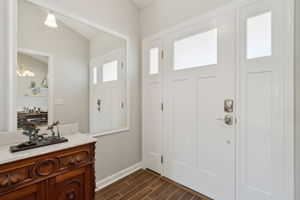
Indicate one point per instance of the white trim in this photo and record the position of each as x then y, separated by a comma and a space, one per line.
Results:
50, 79
289, 122
109, 132
117, 176
11, 62
289, 102
11, 38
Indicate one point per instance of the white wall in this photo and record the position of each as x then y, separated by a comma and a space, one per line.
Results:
105, 43
71, 58
297, 76
24, 90
122, 150
2, 86
162, 14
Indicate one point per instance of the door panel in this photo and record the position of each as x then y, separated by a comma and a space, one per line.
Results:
152, 104
261, 128
200, 149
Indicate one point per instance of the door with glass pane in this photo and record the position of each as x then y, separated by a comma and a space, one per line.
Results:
261, 97
109, 87
199, 114
152, 105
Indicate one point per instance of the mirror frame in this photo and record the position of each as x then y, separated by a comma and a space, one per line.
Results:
12, 50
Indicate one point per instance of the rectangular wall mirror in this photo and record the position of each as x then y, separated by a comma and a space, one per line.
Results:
69, 71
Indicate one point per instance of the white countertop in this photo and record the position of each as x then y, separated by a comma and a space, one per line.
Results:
75, 139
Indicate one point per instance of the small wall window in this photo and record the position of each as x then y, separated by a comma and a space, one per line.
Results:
196, 51
259, 36
110, 71
95, 75
154, 60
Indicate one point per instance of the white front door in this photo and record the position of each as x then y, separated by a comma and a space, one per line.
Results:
152, 105
200, 133
108, 93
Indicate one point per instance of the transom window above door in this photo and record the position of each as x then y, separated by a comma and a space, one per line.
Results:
197, 50
110, 71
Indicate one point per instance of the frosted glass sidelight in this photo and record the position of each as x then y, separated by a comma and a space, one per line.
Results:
95, 75
259, 36
196, 51
110, 71
154, 60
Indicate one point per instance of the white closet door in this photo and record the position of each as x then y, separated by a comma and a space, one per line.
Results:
152, 105
261, 126
200, 76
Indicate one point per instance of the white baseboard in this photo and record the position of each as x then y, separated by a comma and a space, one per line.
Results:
117, 176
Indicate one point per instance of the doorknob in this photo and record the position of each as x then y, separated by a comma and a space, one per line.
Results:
228, 120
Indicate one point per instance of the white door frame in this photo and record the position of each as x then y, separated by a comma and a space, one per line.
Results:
50, 79
288, 107
12, 49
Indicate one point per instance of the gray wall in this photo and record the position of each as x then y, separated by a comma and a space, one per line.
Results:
122, 150
162, 14
2, 85
297, 76
105, 43
71, 58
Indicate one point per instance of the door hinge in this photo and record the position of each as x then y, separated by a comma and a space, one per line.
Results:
122, 65
162, 159
162, 54
122, 105
162, 106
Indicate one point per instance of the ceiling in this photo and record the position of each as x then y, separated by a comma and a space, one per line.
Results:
142, 3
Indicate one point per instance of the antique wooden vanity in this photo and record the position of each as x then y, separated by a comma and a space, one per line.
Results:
60, 172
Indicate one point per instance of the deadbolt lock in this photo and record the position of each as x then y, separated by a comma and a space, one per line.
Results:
228, 105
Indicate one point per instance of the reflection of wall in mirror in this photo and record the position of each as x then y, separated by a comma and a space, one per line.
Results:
27, 97
71, 56
104, 44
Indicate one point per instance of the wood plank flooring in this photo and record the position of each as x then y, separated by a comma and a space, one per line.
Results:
146, 185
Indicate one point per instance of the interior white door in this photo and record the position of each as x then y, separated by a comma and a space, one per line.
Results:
200, 76
261, 159
152, 104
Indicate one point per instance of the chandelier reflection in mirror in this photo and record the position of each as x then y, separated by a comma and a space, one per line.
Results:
21, 71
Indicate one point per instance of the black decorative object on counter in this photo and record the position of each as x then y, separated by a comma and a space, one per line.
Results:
38, 140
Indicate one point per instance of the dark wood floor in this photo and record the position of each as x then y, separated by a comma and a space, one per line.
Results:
146, 185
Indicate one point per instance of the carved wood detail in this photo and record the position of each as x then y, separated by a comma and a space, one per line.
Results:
14, 177
75, 159
46, 167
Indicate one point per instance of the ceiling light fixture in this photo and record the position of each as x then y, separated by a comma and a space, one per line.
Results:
51, 20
